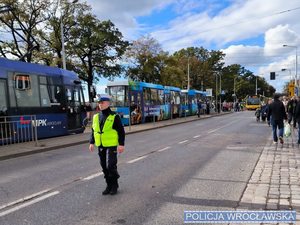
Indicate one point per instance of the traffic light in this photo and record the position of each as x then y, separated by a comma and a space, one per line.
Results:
272, 75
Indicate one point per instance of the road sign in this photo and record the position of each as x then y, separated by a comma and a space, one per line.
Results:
292, 89
209, 92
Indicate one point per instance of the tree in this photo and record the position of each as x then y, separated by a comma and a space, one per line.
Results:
98, 47
146, 60
203, 65
21, 23
65, 13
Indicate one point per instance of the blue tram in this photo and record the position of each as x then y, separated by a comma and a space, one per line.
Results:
140, 102
189, 100
53, 95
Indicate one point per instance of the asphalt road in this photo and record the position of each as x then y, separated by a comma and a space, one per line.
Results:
200, 165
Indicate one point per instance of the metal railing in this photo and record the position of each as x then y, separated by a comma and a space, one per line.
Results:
18, 129
87, 121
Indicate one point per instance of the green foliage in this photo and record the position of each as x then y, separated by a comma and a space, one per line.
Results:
22, 24
96, 49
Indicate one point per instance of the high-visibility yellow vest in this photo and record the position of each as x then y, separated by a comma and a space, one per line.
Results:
108, 137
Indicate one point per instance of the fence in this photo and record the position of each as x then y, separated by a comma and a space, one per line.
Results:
87, 121
18, 129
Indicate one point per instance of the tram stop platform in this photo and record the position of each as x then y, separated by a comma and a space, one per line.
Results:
43, 145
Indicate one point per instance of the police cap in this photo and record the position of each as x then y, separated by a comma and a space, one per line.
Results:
103, 97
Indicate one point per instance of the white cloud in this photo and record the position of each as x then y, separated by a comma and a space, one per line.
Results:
241, 20
200, 23
272, 57
124, 13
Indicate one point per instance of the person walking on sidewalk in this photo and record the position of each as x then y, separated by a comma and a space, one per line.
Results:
291, 110
199, 106
297, 118
109, 136
277, 113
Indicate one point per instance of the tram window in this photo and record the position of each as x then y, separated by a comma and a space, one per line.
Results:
168, 99
43, 80
69, 94
176, 98
146, 94
118, 95
45, 98
154, 96
81, 96
22, 82
11, 90
161, 97
29, 97
3, 103
56, 94
76, 97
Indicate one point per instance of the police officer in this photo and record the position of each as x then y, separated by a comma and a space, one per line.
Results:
109, 136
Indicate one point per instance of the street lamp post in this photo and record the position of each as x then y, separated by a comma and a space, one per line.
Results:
63, 52
256, 86
63, 55
296, 66
220, 91
188, 85
289, 72
216, 105
234, 91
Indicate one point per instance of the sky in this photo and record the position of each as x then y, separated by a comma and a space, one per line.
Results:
250, 32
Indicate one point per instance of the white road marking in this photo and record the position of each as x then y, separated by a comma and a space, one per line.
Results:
211, 131
28, 203
238, 147
137, 159
93, 176
197, 136
24, 199
183, 141
163, 149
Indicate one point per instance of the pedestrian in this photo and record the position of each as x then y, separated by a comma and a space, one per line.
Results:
277, 113
207, 107
199, 105
291, 110
297, 118
109, 136
257, 114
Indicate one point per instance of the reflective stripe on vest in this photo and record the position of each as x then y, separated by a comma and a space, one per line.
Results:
109, 137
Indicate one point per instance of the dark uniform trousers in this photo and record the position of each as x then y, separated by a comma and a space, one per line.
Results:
108, 162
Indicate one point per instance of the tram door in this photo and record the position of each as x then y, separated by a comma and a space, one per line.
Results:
74, 103
3, 98
4, 131
136, 109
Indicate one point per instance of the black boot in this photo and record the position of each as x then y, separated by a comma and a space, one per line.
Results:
114, 187
108, 187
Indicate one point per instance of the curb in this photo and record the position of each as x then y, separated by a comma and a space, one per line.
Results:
46, 149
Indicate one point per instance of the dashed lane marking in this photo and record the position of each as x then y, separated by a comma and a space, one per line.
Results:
24, 199
183, 141
197, 136
28, 203
163, 149
93, 176
214, 130
137, 159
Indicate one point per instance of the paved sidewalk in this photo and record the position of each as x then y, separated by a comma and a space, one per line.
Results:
275, 182
27, 148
